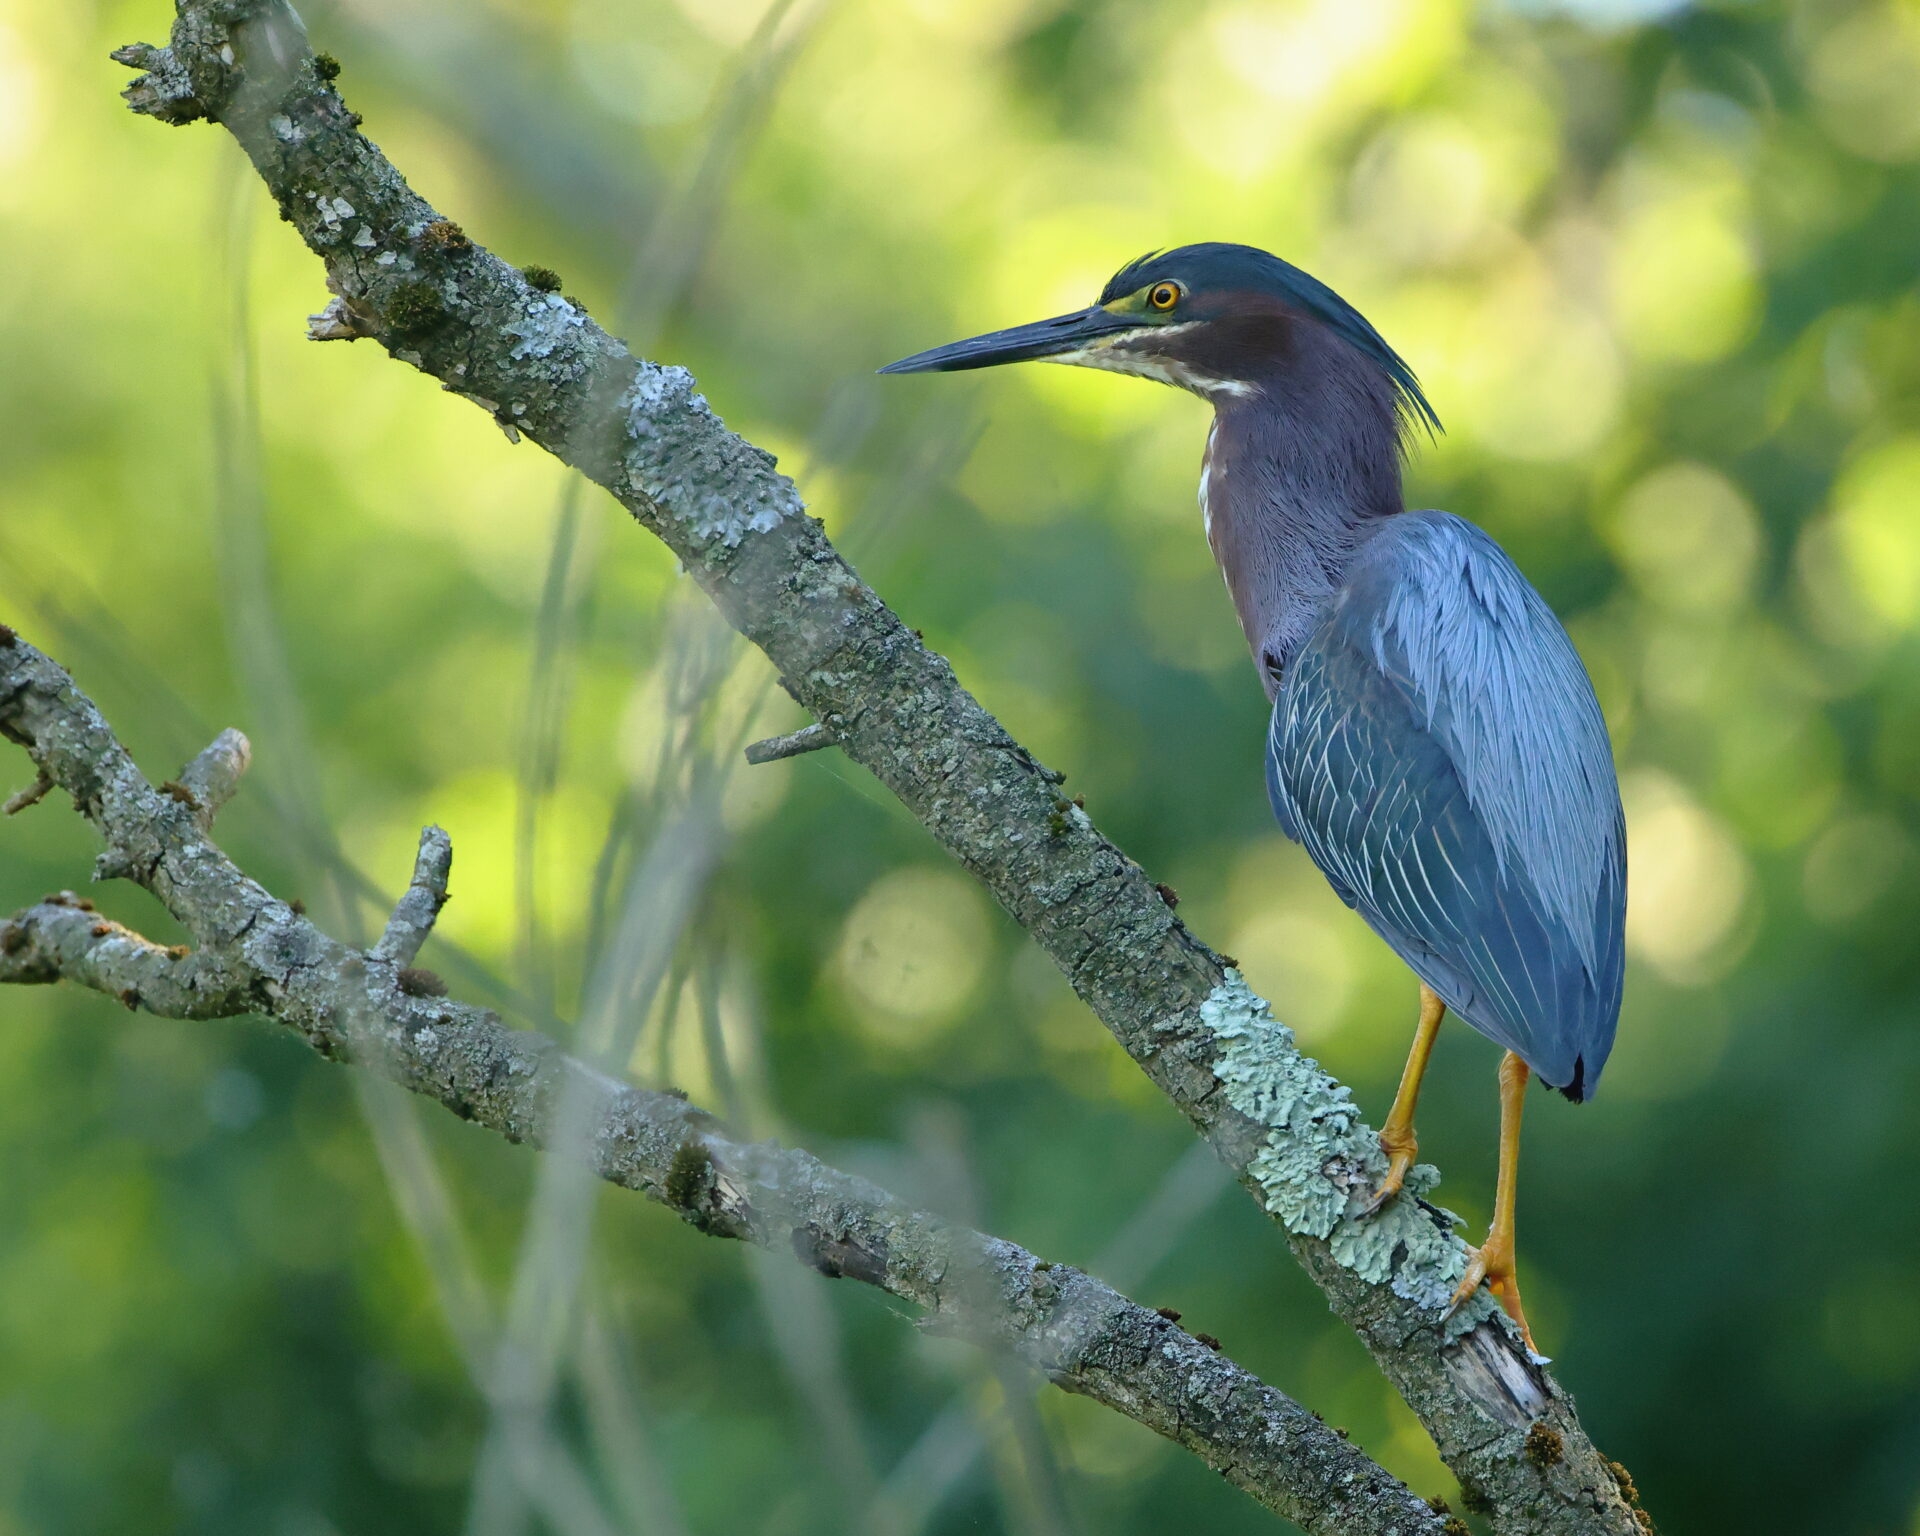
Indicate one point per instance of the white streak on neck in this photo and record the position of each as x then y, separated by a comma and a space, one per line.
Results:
1206, 476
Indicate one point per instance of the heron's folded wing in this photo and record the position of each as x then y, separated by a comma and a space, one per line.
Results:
1437, 749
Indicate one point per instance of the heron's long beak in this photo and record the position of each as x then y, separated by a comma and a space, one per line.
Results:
1023, 343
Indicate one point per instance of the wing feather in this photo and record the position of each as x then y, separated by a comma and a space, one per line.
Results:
1437, 749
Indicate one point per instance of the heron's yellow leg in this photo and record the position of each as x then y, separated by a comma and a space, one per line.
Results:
1396, 1136
1493, 1260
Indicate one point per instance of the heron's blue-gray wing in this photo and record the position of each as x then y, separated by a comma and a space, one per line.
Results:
1437, 748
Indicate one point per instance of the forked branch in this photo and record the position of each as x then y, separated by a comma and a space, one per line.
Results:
252, 953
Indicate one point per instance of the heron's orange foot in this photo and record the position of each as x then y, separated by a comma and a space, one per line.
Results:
1493, 1263
1400, 1148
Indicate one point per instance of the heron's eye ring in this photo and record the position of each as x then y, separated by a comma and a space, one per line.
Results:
1163, 296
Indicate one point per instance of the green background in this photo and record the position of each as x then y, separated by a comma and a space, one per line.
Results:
1657, 270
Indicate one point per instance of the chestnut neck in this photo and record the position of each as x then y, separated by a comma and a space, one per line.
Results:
1302, 467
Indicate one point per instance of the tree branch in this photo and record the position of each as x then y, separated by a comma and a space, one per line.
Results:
410, 278
64, 939
257, 955
212, 777
41, 786
420, 908
809, 738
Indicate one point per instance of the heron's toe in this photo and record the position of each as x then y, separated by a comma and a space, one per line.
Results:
1470, 1281
1493, 1264
1388, 1188
1401, 1148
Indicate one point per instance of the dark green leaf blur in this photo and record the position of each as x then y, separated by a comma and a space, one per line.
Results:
1656, 266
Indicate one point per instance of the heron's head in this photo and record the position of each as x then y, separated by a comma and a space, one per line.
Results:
1225, 321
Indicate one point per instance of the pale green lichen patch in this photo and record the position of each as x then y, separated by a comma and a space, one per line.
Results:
719, 486
1320, 1161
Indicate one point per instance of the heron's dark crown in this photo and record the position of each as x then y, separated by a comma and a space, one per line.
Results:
1214, 273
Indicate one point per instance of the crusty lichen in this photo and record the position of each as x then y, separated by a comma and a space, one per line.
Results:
718, 486
542, 326
1319, 1160
165, 89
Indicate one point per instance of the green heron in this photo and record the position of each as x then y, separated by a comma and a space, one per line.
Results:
1435, 741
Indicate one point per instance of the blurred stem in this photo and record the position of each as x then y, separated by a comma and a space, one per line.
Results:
799, 1315
257, 645
606, 869
1030, 1481
665, 260
1026, 1469
713, 1040
948, 1448
427, 1208
672, 998
555, 633
807, 1340
622, 1439
1185, 1193
683, 227
662, 891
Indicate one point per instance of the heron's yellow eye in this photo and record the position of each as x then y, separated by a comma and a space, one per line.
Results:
1163, 295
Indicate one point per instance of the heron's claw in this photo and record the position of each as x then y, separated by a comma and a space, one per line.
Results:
1492, 1263
1470, 1281
1401, 1150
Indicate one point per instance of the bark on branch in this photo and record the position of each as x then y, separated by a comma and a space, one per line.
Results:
253, 953
405, 275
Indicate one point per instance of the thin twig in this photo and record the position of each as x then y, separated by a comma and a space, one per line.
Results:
33, 794
809, 738
213, 776
413, 918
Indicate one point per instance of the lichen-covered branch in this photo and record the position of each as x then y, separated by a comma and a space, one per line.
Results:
419, 909
212, 777
809, 738
403, 274
64, 939
252, 953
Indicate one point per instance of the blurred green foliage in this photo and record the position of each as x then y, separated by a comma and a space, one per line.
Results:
1656, 267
